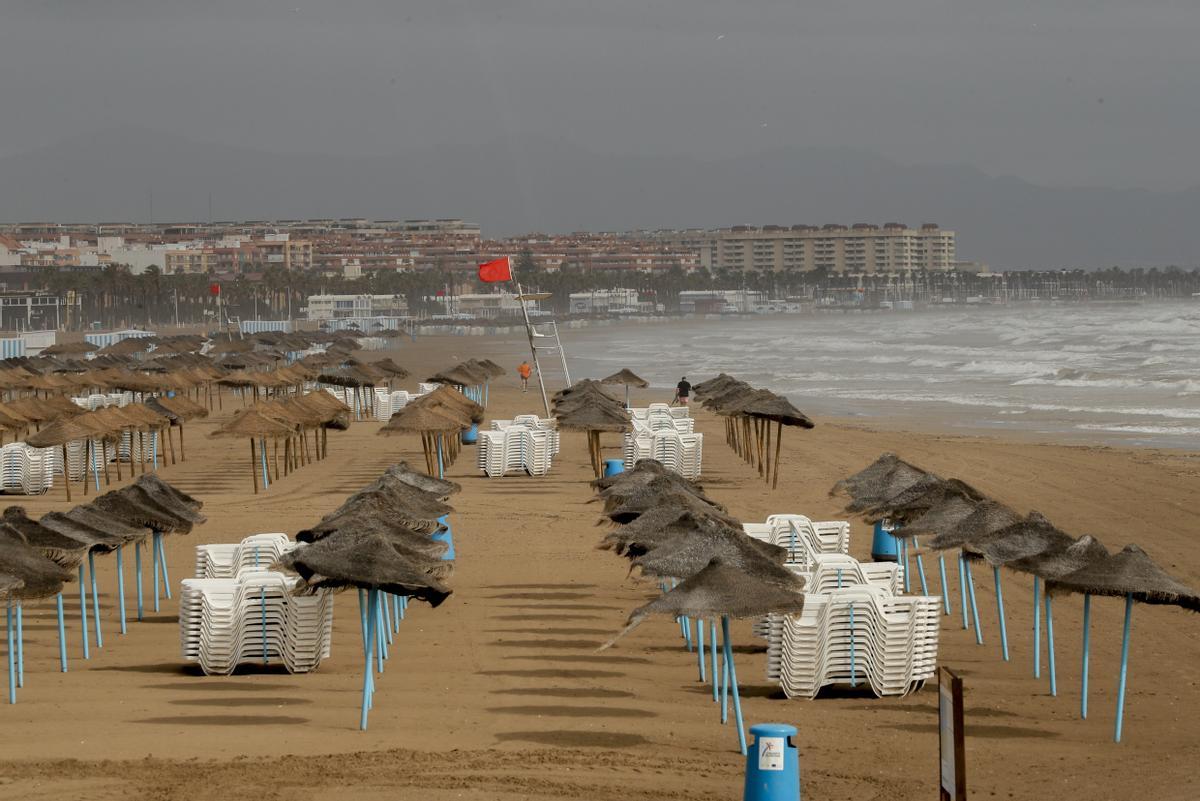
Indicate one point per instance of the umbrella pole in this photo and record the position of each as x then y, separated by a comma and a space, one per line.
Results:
253, 466
66, 473
154, 574
1050, 644
83, 607
920, 565
137, 562
1037, 630
767, 428
974, 605
62, 634
778, 442
1000, 612
95, 598
1124, 668
369, 630
121, 585
170, 444
87, 458
12, 667
104, 461
724, 685
699, 646
1087, 623
20, 645
946, 610
962, 590
182, 457
712, 637
737, 701
441, 465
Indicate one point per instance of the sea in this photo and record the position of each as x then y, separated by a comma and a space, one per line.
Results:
1126, 374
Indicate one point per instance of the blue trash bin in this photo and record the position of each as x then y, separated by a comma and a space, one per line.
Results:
471, 435
772, 764
883, 546
613, 466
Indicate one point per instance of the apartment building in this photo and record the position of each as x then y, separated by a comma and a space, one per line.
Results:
333, 307
855, 249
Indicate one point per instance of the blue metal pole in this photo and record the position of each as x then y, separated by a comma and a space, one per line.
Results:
1037, 631
1124, 668
387, 619
137, 560
716, 681
20, 645
440, 463
737, 701
262, 452
687, 633
724, 686
1087, 622
920, 567
121, 584
945, 592
368, 684
382, 653
12, 656
1000, 611
62, 634
154, 566
83, 607
95, 598
700, 647
974, 606
962, 589
162, 563
1050, 644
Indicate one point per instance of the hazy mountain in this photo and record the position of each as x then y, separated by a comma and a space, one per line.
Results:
545, 185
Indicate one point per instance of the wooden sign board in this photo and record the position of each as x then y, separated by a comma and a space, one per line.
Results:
952, 753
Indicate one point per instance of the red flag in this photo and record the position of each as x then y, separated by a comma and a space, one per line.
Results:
493, 271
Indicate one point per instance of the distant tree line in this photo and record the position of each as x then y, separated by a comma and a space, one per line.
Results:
114, 297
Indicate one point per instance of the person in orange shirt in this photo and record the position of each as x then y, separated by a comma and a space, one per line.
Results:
524, 370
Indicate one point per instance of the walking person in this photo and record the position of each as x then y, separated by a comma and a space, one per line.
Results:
524, 370
682, 390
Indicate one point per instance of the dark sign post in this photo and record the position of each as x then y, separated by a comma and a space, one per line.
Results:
953, 755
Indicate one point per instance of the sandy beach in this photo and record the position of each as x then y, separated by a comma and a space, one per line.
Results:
499, 693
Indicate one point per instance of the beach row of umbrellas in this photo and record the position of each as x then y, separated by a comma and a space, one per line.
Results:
749, 413
38, 557
140, 422
707, 567
955, 515
588, 407
472, 377
287, 420
391, 542
438, 417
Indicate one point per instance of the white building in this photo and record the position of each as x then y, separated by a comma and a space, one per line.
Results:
489, 305
333, 307
609, 301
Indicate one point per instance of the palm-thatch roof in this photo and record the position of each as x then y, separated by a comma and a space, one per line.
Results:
69, 348
1130, 572
720, 590
1052, 564
365, 561
254, 424
40, 577
627, 377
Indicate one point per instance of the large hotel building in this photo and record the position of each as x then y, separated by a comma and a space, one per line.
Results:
854, 249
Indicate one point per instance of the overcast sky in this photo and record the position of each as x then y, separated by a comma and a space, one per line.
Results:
1060, 92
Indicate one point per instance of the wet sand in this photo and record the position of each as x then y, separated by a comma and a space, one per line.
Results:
499, 693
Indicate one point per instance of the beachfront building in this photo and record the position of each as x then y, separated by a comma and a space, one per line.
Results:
720, 301
608, 301
334, 307
484, 305
862, 248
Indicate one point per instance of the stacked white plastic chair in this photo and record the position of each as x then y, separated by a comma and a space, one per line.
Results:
682, 453
388, 403
801, 536
859, 635
526, 443
236, 611
25, 470
228, 560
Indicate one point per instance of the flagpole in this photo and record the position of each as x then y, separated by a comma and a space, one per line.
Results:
529, 334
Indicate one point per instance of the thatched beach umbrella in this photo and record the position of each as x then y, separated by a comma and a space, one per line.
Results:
255, 426
1134, 575
724, 591
986, 517
592, 418
36, 577
433, 424
627, 378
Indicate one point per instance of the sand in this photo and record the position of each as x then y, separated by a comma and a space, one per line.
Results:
499, 693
